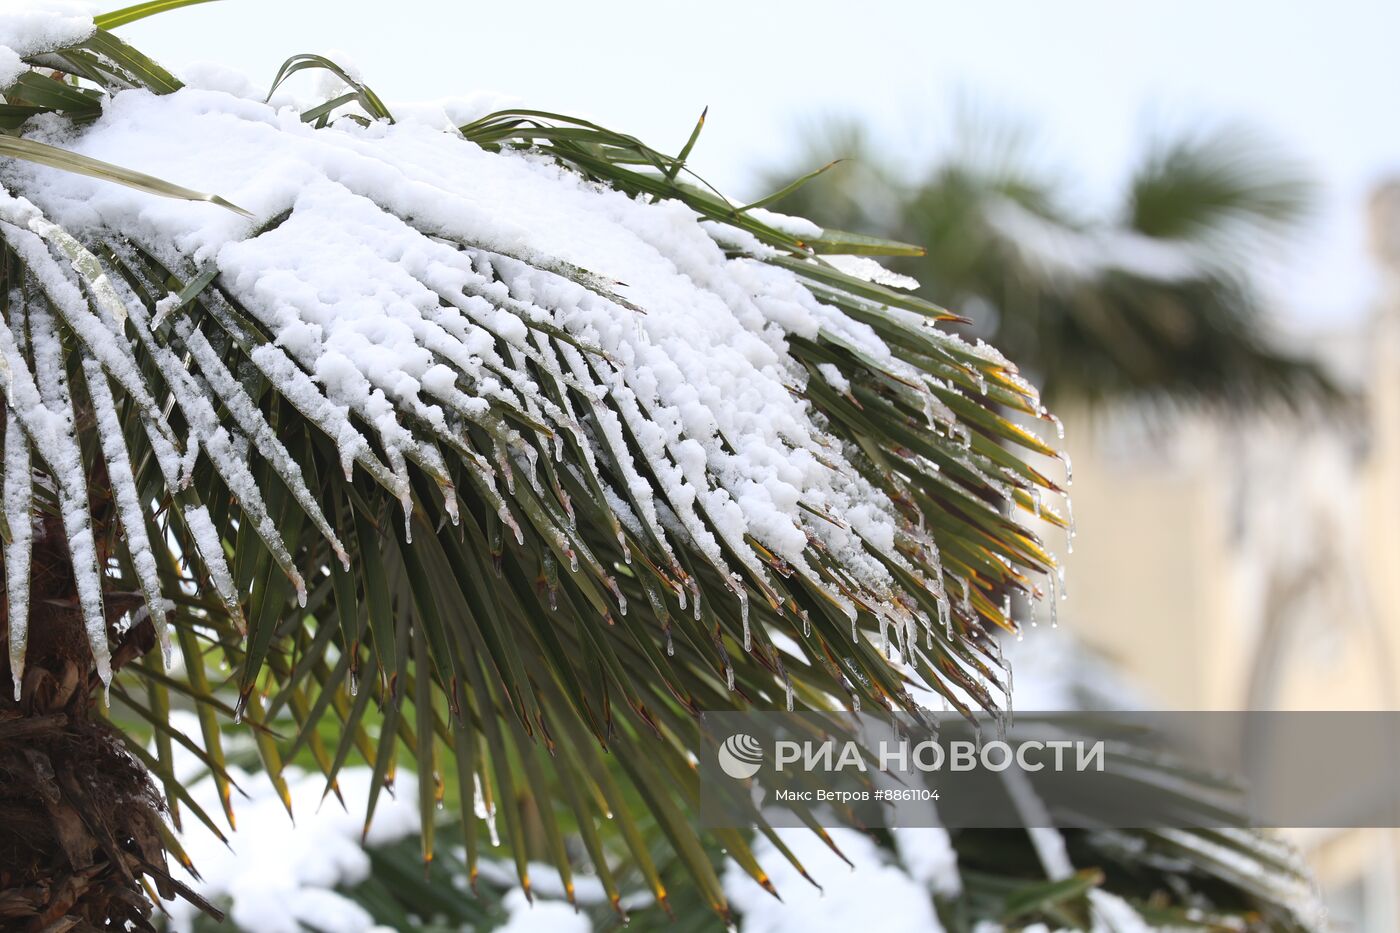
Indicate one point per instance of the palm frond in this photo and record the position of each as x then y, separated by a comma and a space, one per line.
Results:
512, 564
529, 562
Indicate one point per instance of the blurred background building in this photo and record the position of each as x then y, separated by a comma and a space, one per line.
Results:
1237, 561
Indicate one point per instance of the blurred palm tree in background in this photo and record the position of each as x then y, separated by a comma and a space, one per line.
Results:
1157, 298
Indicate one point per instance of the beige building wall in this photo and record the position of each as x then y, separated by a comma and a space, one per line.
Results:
1247, 562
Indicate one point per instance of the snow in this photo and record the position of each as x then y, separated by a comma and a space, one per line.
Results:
70, 472
1088, 254
927, 854
793, 226
863, 267
128, 499
30, 27
274, 875
415, 285
18, 503
410, 279
847, 896
364, 290
541, 916
834, 377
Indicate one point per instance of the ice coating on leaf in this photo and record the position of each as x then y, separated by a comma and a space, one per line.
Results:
18, 504
128, 500
70, 475
220, 446
250, 419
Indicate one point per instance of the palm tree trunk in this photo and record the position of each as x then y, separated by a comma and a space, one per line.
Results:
80, 833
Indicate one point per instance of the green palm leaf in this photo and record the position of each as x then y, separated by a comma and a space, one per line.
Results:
511, 585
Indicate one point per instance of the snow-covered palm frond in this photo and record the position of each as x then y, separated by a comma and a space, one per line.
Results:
501, 437
500, 440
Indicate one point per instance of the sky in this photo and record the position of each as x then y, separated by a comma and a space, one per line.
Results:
1094, 78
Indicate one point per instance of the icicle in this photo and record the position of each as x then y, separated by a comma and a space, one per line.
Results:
855, 702
1059, 426
573, 561
965, 601
1071, 531
1054, 600
18, 497
806, 623
1010, 685
729, 675
787, 689
743, 597
449, 502
1060, 572
1069, 467
550, 572
504, 464
670, 642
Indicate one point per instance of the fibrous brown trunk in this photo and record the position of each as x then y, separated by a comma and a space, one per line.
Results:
80, 830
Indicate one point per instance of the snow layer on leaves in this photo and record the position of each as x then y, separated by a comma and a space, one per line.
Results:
29, 27
19, 516
863, 267
395, 251
1076, 254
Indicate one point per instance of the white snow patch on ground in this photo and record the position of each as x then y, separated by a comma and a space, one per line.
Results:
850, 898
278, 877
541, 916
